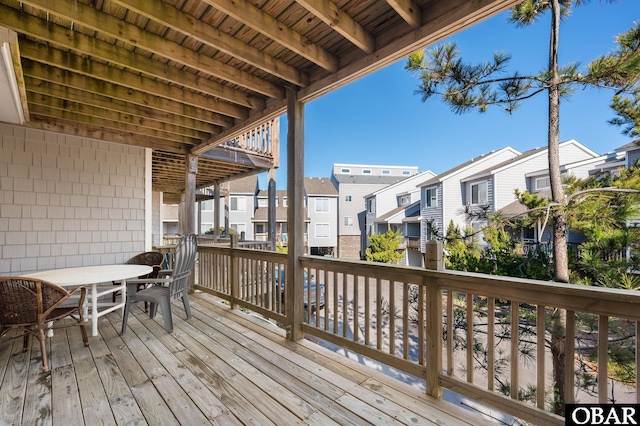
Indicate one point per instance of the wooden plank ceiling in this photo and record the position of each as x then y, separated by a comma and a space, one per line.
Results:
184, 76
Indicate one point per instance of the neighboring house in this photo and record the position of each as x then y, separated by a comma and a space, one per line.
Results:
237, 206
494, 187
260, 218
322, 208
354, 182
390, 207
441, 198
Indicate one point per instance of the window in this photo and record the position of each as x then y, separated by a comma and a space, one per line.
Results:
403, 200
370, 206
322, 230
237, 204
347, 197
322, 205
263, 202
345, 171
406, 172
284, 201
366, 171
239, 227
207, 205
386, 172
528, 234
542, 183
348, 221
479, 193
205, 227
260, 228
431, 197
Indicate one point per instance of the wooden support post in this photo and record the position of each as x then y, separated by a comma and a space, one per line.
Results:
434, 261
216, 212
294, 291
234, 273
271, 212
188, 225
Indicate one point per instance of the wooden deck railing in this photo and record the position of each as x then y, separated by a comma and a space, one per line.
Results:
461, 331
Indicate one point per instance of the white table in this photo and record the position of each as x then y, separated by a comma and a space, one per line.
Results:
93, 276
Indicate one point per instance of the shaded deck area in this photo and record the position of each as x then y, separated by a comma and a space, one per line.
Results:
221, 367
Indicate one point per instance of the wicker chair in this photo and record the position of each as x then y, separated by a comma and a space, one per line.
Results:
172, 284
35, 306
154, 259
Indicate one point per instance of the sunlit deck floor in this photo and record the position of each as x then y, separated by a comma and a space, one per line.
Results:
221, 367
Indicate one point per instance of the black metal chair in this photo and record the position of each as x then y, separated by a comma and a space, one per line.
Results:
35, 306
170, 284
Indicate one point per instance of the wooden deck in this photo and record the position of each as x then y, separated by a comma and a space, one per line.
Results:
221, 367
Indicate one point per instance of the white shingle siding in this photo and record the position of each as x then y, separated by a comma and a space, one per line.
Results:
74, 201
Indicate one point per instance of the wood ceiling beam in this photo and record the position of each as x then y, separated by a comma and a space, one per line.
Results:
67, 61
84, 45
440, 19
342, 23
186, 24
104, 23
58, 125
69, 105
156, 104
252, 16
408, 10
185, 125
112, 125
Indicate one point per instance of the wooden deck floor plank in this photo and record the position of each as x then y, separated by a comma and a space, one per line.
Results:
269, 389
253, 375
58, 348
257, 369
95, 403
160, 343
282, 365
6, 349
121, 400
14, 383
383, 394
174, 396
66, 408
37, 406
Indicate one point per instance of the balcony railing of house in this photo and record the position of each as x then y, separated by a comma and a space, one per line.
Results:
412, 242
455, 330
547, 248
259, 139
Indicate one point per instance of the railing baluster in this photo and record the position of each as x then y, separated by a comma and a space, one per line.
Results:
491, 336
367, 311
356, 303
335, 302
345, 306
603, 357
469, 320
540, 354
450, 332
422, 323
405, 320
392, 317
570, 349
378, 313
515, 339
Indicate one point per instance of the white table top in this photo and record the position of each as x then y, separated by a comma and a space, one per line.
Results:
91, 274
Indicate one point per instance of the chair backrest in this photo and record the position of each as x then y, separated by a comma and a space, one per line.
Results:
24, 301
186, 251
154, 259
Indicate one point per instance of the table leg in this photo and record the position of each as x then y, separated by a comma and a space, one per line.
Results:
94, 309
124, 295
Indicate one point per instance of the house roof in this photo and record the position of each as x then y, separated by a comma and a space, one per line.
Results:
245, 185
631, 146
508, 163
320, 186
460, 167
367, 180
417, 177
517, 208
407, 210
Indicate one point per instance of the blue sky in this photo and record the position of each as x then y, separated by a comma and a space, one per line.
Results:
379, 120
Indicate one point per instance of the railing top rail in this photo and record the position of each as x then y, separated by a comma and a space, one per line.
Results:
598, 300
